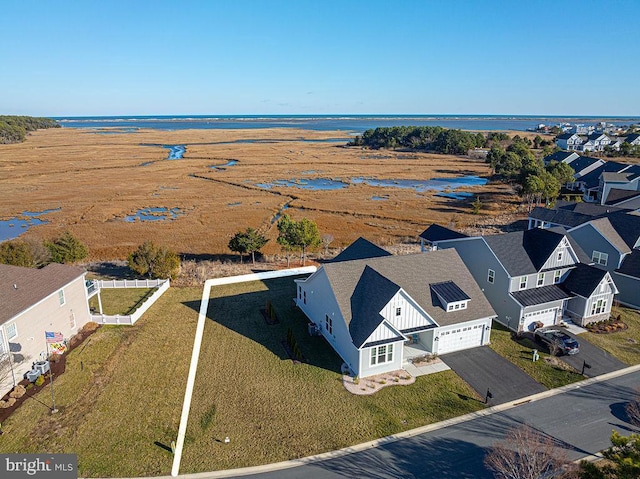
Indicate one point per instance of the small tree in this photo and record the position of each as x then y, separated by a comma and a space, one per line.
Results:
327, 239
526, 454
16, 253
286, 236
249, 241
154, 261
238, 244
623, 460
67, 249
476, 205
307, 236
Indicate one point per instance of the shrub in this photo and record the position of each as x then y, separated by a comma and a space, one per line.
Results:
39, 380
154, 261
67, 249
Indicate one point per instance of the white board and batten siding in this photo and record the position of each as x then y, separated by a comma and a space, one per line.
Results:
411, 315
383, 332
569, 257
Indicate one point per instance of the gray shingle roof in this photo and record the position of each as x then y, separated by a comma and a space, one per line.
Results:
610, 176
583, 280
559, 217
582, 162
440, 233
545, 294
32, 284
414, 273
627, 226
631, 264
592, 178
559, 156
360, 249
372, 292
616, 195
524, 252
606, 229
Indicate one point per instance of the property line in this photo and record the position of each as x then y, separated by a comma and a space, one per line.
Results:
197, 342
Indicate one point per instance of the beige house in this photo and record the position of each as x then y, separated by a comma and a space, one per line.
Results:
33, 301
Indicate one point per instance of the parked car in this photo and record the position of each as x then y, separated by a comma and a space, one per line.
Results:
557, 341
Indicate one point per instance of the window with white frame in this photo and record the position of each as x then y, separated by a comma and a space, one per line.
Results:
540, 279
328, 324
398, 311
599, 306
560, 254
381, 354
72, 320
2, 347
61, 297
523, 282
491, 276
12, 331
600, 258
557, 274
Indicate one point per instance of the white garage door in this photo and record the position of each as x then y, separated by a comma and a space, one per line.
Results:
546, 317
463, 337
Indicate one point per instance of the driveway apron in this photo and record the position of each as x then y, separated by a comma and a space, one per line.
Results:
601, 362
484, 369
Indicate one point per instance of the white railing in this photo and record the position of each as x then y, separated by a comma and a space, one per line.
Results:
163, 285
131, 283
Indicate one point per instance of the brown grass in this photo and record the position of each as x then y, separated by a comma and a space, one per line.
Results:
97, 180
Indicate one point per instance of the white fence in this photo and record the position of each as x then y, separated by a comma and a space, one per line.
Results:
162, 284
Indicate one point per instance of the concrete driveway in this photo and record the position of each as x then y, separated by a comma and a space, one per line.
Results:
482, 368
601, 362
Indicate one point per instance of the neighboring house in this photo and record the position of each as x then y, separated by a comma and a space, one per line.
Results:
561, 157
613, 243
595, 142
627, 179
430, 237
568, 214
32, 301
369, 309
569, 141
591, 181
582, 166
633, 139
523, 275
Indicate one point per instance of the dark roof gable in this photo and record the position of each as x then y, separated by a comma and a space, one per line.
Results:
583, 280
360, 249
436, 232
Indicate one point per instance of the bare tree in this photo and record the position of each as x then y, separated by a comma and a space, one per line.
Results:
633, 409
527, 454
327, 239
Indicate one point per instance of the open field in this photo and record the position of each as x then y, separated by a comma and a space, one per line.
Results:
97, 180
123, 390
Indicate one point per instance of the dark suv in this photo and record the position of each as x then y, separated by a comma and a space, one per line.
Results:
557, 341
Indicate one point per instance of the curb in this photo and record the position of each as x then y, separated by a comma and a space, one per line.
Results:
244, 471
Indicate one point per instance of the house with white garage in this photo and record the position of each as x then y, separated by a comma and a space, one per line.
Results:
34, 301
370, 308
534, 277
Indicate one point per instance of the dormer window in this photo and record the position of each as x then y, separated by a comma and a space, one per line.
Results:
523, 282
540, 280
451, 297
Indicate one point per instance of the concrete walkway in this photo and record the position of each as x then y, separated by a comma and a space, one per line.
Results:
435, 366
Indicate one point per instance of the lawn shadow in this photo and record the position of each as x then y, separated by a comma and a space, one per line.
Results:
241, 312
163, 446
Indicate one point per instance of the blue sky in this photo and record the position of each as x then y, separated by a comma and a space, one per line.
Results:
304, 57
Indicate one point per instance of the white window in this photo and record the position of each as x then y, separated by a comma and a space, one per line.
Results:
556, 276
381, 354
523, 282
600, 258
540, 279
559, 256
328, 324
12, 331
398, 311
457, 306
450, 307
491, 277
72, 320
599, 306
2, 347
61, 297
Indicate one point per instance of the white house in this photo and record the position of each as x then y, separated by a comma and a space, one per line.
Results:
569, 141
33, 301
369, 309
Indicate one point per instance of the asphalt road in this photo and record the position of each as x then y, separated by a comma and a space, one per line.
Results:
482, 368
579, 420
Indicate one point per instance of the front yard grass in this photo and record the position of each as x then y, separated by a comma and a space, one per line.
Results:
624, 345
120, 300
548, 371
121, 396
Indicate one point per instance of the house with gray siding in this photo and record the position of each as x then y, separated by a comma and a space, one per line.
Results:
523, 275
369, 309
613, 244
33, 301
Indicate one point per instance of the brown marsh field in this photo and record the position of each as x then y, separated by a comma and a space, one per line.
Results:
98, 179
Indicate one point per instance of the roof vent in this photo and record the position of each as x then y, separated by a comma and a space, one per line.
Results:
15, 286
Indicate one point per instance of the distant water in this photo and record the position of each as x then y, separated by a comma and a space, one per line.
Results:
351, 123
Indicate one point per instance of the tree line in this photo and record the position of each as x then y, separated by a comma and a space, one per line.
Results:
434, 138
14, 129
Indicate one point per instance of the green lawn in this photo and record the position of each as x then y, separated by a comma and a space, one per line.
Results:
548, 371
123, 392
120, 300
624, 345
